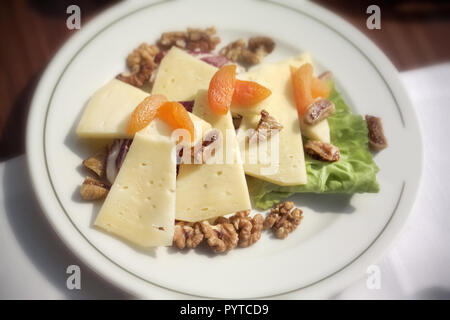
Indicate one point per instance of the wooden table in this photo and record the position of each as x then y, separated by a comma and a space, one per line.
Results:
413, 34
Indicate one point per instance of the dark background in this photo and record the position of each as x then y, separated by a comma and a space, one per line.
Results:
413, 34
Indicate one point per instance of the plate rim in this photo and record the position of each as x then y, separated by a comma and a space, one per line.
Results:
101, 22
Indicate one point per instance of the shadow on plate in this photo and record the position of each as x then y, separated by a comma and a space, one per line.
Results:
324, 203
202, 250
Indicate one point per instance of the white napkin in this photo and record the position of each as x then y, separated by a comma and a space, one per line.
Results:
34, 261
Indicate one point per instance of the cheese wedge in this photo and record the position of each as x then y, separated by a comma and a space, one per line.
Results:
109, 110
321, 130
284, 165
181, 75
210, 190
140, 207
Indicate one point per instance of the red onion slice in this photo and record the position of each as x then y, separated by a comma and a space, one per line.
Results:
116, 155
188, 105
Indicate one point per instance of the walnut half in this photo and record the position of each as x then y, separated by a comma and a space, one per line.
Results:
319, 110
221, 237
211, 142
142, 74
257, 48
187, 235
267, 126
261, 46
322, 151
200, 40
141, 63
233, 50
377, 140
92, 189
249, 229
97, 163
283, 219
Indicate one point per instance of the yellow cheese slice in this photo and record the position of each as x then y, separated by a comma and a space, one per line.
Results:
108, 111
321, 130
210, 190
180, 75
140, 207
290, 167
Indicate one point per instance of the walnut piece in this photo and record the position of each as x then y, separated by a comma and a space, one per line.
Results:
140, 77
283, 219
97, 163
261, 46
93, 189
266, 127
200, 40
221, 237
249, 58
233, 50
319, 110
173, 38
224, 234
141, 63
377, 140
257, 48
211, 142
322, 151
220, 220
249, 229
187, 235
144, 53
202, 151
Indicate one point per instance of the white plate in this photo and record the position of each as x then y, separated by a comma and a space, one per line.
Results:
339, 236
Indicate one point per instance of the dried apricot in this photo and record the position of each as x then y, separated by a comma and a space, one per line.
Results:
221, 88
144, 113
248, 93
319, 89
301, 86
176, 116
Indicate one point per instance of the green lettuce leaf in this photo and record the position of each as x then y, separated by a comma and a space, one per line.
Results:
355, 172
